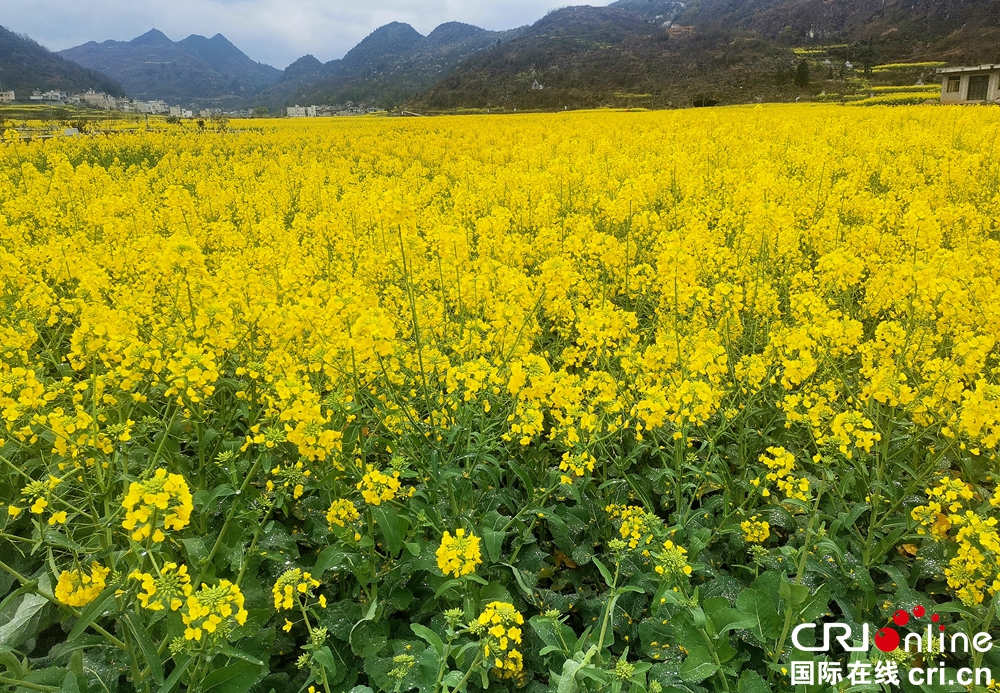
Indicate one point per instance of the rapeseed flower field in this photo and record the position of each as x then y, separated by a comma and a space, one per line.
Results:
570, 402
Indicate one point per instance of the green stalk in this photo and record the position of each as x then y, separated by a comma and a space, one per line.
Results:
465, 678
803, 554
229, 518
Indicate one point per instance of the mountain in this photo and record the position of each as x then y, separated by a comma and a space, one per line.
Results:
957, 31
591, 56
661, 53
26, 66
387, 68
196, 69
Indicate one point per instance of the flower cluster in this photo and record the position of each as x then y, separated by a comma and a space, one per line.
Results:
576, 465
211, 613
499, 630
290, 478
458, 555
37, 495
849, 430
167, 589
671, 561
755, 530
164, 500
290, 585
781, 464
78, 587
377, 488
974, 569
341, 513
634, 524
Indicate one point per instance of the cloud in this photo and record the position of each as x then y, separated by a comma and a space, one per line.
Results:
272, 31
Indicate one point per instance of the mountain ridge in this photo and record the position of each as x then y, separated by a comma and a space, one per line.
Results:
389, 67
195, 68
25, 65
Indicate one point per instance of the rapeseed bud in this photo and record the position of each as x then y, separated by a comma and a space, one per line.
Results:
671, 561
167, 589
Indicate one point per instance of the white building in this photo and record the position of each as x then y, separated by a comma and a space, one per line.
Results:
301, 111
6, 96
152, 107
98, 100
48, 96
978, 84
175, 111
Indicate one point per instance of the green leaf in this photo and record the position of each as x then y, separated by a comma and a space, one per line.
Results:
12, 664
325, 659
147, 647
494, 592
816, 605
331, 557
227, 649
494, 543
452, 678
519, 578
340, 617
794, 595
731, 619
393, 527
196, 550
698, 666
69, 684
204, 499
446, 585
765, 623
175, 675
752, 682
21, 625
369, 638
93, 611
560, 532
605, 573
56, 538
235, 678
432, 638
523, 475
547, 633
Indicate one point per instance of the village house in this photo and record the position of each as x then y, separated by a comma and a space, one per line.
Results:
48, 96
6, 96
978, 84
98, 99
301, 111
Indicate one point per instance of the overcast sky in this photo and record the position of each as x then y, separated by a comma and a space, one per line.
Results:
270, 31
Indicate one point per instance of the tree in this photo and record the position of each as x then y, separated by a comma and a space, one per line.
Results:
802, 74
260, 111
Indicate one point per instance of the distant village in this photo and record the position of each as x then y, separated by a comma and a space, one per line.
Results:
102, 101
